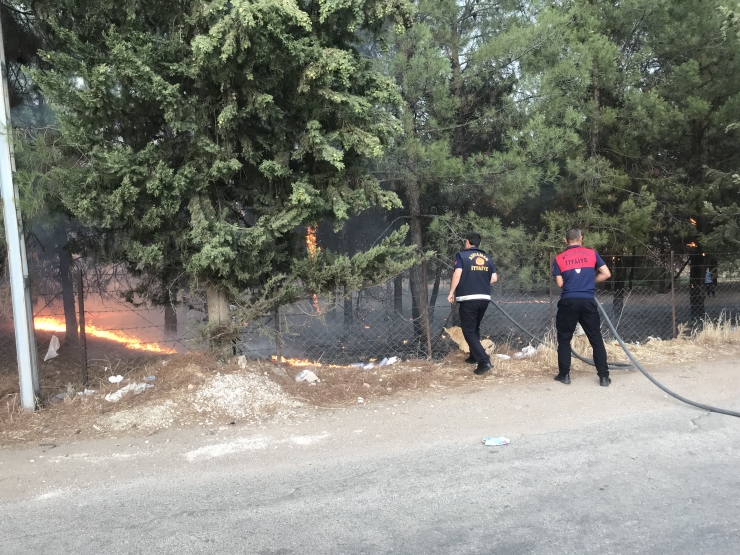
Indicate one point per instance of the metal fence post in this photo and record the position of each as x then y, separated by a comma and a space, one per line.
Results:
550, 274
278, 341
83, 338
25, 338
673, 297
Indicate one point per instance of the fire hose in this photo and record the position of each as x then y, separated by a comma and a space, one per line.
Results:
622, 365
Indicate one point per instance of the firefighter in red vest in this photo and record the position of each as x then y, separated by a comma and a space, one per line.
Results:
577, 270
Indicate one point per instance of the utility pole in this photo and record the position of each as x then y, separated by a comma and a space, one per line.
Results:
25, 338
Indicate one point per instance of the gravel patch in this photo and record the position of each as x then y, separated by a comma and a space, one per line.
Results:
148, 417
242, 396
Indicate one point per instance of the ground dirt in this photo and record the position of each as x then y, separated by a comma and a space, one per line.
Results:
196, 390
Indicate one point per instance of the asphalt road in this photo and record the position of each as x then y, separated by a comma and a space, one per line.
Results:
619, 470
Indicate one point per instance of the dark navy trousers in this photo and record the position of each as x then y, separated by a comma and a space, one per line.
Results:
585, 312
471, 315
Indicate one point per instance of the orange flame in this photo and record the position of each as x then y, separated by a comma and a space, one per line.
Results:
313, 250
311, 244
693, 221
300, 362
692, 244
130, 342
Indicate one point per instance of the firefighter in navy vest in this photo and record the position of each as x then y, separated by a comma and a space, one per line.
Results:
577, 270
471, 287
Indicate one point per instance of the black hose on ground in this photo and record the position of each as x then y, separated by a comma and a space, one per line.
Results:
612, 365
624, 365
656, 382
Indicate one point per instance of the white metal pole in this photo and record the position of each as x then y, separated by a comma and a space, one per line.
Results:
25, 340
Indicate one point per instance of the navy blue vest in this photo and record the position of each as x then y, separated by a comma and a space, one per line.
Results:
475, 282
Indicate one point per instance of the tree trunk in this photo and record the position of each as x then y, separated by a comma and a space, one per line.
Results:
435, 292
348, 313
418, 276
633, 261
398, 294
68, 298
170, 314
219, 319
218, 306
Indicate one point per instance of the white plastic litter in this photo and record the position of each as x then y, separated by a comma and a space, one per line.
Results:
136, 388
87, 392
306, 376
242, 361
495, 441
115, 379
529, 351
503, 357
53, 348
369, 366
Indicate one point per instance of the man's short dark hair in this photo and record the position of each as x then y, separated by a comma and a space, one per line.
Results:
473, 238
573, 234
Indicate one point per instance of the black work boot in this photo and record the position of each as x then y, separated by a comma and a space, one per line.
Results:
483, 367
604, 381
563, 378
471, 360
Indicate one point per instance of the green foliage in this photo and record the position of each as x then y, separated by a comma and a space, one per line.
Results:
212, 130
648, 86
522, 260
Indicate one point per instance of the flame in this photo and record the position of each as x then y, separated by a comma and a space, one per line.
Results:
692, 244
313, 250
693, 221
311, 244
300, 362
130, 342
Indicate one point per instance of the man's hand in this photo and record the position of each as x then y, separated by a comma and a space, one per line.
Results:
451, 297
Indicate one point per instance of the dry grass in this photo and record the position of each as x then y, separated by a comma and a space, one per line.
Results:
180, 376
6, 303
723, 331
76, 416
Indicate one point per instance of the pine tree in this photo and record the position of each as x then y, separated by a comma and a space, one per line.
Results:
212, 130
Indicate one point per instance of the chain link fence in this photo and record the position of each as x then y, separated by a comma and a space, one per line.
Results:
646, 297
114, 328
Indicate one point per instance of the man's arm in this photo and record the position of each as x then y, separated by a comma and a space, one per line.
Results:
603, 273
494, 278
455, 281
559, 281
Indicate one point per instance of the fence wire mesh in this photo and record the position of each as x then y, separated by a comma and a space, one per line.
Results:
379, 322
641, 300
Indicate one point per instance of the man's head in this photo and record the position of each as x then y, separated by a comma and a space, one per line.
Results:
574, 236
472, 239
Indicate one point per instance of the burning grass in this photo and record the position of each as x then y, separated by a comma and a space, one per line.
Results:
173, 402
57, 325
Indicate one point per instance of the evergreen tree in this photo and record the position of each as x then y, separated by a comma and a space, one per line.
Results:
212, 129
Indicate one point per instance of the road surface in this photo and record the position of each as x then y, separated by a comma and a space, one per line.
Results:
618, 470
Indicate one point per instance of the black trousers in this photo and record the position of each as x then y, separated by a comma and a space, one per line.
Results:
585, 312
471, 315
